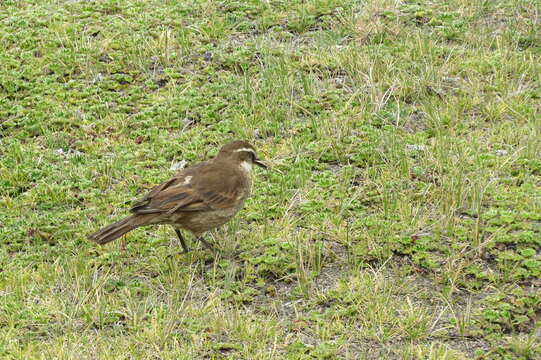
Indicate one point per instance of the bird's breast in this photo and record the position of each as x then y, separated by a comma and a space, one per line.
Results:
204, 221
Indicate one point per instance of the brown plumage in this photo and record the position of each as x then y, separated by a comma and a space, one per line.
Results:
197, 199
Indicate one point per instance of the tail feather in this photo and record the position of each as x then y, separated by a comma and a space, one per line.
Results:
115, 230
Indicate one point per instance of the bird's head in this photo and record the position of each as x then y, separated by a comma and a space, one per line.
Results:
242, 153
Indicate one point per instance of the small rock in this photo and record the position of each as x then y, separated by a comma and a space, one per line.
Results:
335, 168
105, 59
451, 78
98, 77
67, 154
501, 152
416, 147
178, 165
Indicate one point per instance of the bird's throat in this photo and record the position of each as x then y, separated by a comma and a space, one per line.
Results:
246, 166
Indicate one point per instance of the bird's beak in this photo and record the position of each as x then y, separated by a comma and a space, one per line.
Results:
260, 163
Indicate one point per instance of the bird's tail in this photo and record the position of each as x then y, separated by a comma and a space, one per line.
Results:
115, 230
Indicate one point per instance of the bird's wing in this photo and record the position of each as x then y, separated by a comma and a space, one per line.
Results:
200, 188
220, 188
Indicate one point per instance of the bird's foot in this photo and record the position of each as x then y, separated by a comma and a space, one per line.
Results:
182, 242
207, 244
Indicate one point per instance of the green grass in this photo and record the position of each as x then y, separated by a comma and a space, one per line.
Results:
404, 220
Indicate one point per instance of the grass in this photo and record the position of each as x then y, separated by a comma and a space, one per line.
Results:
405, 221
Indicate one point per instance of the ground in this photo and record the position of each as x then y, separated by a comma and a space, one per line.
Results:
401, 219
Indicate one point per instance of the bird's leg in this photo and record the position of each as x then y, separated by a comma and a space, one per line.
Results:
182, 242
207, 244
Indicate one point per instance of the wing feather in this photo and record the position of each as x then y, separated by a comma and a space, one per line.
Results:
201, 188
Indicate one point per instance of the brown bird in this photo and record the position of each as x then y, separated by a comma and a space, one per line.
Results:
197, 199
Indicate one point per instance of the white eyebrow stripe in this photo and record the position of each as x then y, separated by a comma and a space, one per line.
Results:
245, 149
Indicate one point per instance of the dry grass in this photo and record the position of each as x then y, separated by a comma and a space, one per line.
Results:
404, 220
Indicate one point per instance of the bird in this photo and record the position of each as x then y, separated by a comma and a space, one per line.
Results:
198, 198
